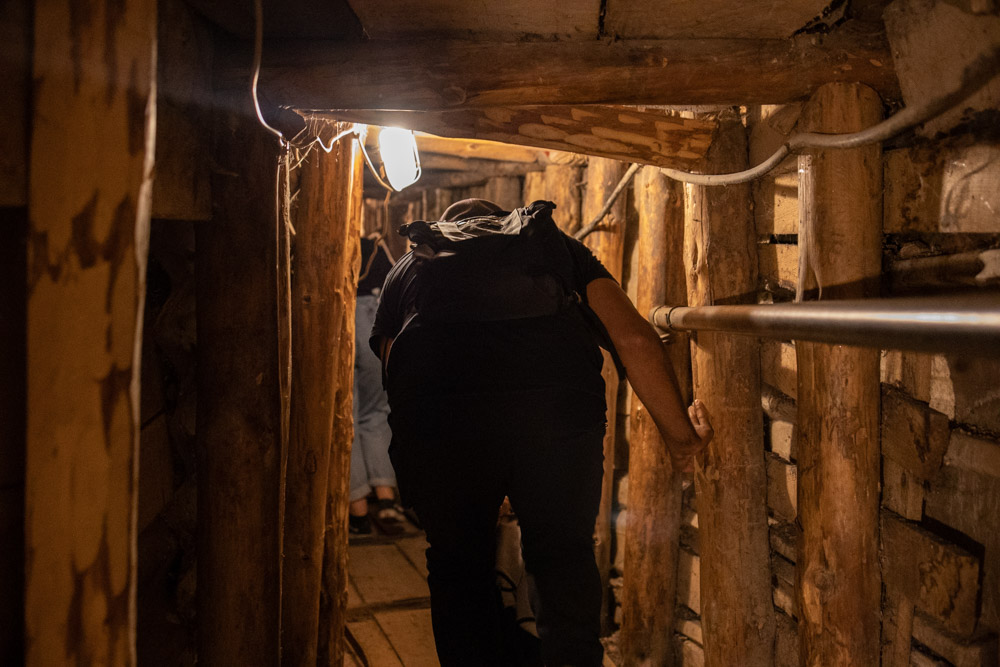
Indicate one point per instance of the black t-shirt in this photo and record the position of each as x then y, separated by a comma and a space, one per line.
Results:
437, 359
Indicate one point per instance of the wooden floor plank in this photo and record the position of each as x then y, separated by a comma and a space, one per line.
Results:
410, 632
376, 646
383, 574
414, 549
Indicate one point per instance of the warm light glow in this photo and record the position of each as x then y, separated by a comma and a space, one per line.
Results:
398, 148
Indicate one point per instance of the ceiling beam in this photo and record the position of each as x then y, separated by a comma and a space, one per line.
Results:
442, 75
649, 136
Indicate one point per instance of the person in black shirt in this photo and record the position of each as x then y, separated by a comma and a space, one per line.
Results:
516, 407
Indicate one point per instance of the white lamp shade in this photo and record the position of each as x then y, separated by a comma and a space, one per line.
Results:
398, 148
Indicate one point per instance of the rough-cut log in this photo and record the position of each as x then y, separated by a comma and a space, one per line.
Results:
838, 392
651, 136
239, 403
782, 479
913, 435
561, 185
654, 504
608, 244
15, 72
778, 367
432, 161
534, 188
721, 261
505, 191
940, 579
324, 262
181, 187
436, 74
89, 199
347, 172
961, 270
943, 187
779, 266
13, 311
476, 148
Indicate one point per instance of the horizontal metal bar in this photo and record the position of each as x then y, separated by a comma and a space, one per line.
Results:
968, 323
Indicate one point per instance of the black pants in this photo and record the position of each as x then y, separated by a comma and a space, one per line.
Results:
456, 459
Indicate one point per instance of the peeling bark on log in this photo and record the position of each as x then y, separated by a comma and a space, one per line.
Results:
721, 260
347, 171
838, 392
324, 264
89, 199
608, 243
650, 136
239, 426
654, 507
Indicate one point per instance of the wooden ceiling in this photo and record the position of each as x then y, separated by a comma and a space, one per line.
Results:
591, 76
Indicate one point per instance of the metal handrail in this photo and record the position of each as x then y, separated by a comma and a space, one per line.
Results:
968, 323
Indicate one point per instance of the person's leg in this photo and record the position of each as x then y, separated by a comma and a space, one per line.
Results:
456, 490
556, 493
371, 420
359, 487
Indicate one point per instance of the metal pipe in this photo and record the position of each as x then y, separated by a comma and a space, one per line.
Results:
968, 323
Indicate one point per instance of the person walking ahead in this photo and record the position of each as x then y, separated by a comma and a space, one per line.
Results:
488, 333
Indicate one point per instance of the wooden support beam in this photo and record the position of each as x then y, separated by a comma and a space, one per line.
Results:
651, 136
348, 171
239, 429
840, 193
181, 187
15, 72
90, 185
721, 260
652, 538
324, 262
504, 190
437, 74
914, 435
608, 244
479, 149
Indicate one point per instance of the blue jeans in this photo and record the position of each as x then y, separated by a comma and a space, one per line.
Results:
370, 465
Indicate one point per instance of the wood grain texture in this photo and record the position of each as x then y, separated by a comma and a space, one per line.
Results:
652, 533
324, 263
15, 72
608, 244
239, 422
182, 183
641, 19
838, 392
89, 197
721, 261
653, 136
333, 597
434, 74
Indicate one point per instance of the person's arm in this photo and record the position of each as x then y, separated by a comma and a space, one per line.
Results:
685, 432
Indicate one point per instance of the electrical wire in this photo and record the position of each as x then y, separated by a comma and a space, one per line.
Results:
258, 47
979, 73
592, 225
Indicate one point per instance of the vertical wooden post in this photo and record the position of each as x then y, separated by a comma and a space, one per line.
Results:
608, 243
239, 402
654, 504
737, 614
562, 186
505, 191
346, 171
840, 194
323, 265
89, 198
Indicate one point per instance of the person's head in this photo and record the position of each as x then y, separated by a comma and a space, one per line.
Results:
470, 208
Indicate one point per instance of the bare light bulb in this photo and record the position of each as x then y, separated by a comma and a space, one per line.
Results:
398, 148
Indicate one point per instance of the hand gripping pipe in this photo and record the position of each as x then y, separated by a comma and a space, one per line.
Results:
968, 323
